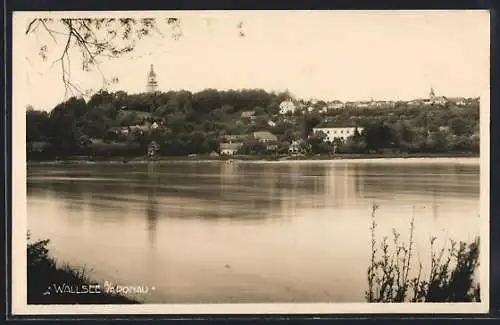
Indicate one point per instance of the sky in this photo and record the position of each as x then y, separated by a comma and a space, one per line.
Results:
328, 55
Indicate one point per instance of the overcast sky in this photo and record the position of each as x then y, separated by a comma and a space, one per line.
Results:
325, 55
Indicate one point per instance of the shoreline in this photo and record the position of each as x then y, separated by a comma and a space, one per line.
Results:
259, 159
50, 282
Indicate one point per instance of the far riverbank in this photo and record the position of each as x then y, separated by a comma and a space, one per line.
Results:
200, 158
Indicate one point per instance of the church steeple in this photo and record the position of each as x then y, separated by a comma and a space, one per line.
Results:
432, 94
152, 84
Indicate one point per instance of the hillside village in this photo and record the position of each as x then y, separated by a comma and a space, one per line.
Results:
248, 122
327, 128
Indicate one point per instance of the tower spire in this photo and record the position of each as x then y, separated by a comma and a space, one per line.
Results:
432, 94
152, 84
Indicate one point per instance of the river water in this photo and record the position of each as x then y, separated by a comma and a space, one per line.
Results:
215, 232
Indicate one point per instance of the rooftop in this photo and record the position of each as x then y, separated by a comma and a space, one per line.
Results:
235, 137
230, 146
263, 134
247, 114
335, 126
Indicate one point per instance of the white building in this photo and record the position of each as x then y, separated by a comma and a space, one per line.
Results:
229, 149
333, 133
439, 100
295, 146
324, 110
265, 136
335, 105
287, 106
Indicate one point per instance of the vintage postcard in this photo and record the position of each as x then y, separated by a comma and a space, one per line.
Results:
250, 162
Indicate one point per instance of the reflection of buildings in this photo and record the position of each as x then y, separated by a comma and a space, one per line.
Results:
228, 176
257, 184
359, 180
152, 204
246, 191
227, 188
416, 183
295, 189
318, 200
435, 211
339, 185
270, 178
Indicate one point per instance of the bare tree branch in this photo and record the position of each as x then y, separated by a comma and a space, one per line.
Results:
65, 53
97, 38
84, 45
28, 30
49, 31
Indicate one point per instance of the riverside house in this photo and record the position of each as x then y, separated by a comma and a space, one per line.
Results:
124, 130
250, 115
267, 138
238, 138
336, 104
229, 149
440, 100
338, 132
459, 101
296, 146
287, 106
140, 116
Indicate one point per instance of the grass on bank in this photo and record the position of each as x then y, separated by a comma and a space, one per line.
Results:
44, 275
452, 275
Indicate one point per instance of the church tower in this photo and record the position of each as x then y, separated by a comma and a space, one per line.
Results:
432, 94
152, 84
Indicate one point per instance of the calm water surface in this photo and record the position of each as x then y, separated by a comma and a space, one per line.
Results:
203, 232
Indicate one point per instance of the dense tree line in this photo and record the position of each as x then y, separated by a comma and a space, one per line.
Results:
192, 122
196, 122
407, 129
424, 129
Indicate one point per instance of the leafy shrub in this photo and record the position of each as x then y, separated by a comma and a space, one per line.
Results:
451, 277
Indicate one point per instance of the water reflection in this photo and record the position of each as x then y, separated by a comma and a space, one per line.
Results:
435, 210
239, 191
152, 204
279, 225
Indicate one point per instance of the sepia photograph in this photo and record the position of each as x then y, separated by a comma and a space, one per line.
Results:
252, 162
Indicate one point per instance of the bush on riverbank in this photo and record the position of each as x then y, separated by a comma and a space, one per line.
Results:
44, 276
451, 277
